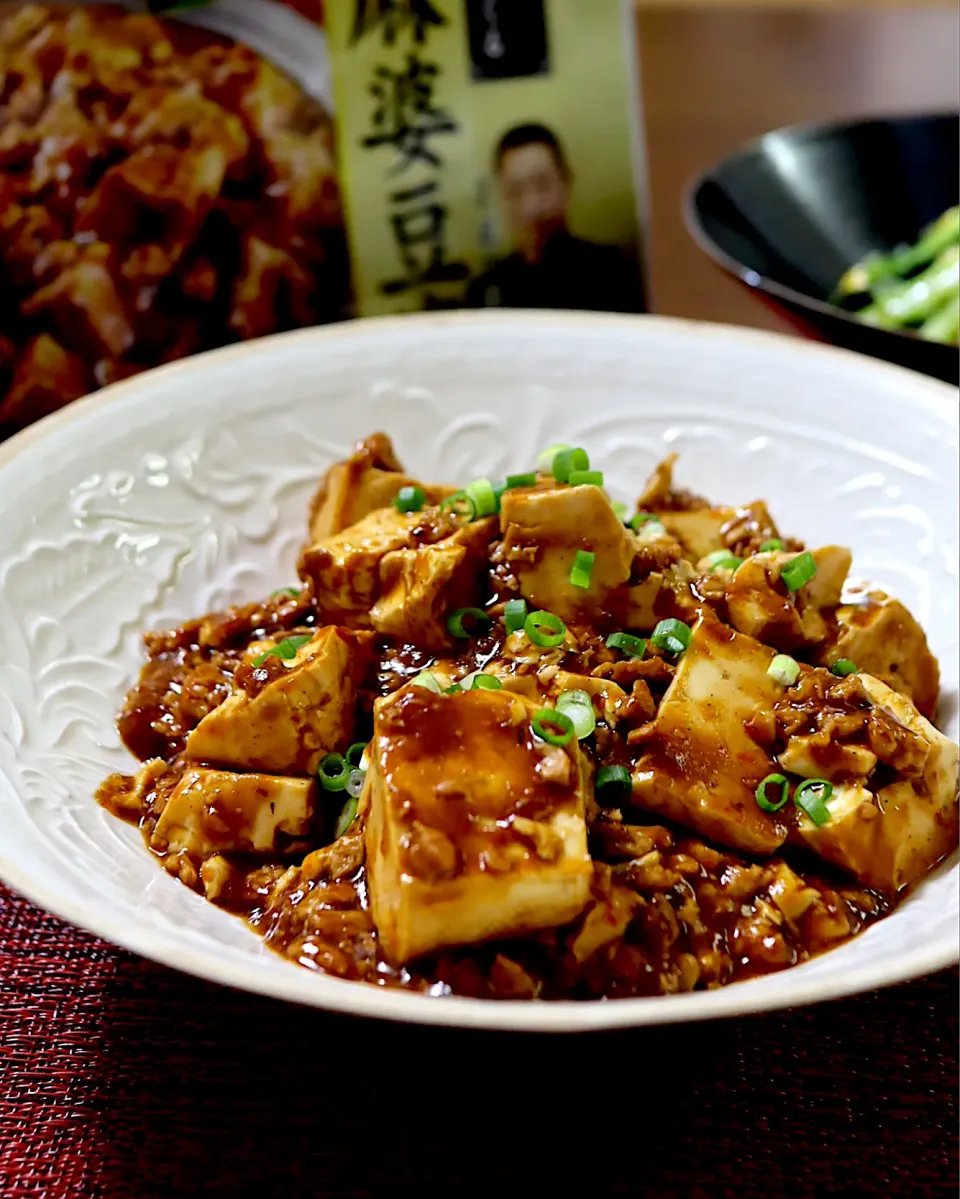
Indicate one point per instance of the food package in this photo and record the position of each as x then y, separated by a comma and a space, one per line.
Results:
176, 177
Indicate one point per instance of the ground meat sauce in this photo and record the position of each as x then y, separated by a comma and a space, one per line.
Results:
665, 911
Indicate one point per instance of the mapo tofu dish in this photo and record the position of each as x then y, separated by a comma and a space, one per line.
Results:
513, 740
162, 191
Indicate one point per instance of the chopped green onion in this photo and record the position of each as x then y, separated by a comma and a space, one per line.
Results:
567, 461
582, 568
286, 649
355, 781
333, 772
633, 647
722, 560
620, 509
798, 571
460, 504
545, 629
484, 497
545, 457
578, 477
556, 728
477, 619
354, 754
773, 546
409, 499
514, 614
773, 805
528, 480
671, 635
453, 689
842, 667
428, 680
476, 680
784, 669
611, 785
348, 813
293, 591
811, 797
578, 706
641, 519
646, 525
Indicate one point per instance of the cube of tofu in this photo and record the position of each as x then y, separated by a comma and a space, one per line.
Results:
882, 637
369, 479
399, 572
297, 718
214, 811
699, 530
761, 606
424, 584
475, 828
748, 528
659, 494
891, 836
662, 593
702, 766
345, 568
543, 528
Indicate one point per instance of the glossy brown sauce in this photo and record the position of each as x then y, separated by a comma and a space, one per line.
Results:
670, 912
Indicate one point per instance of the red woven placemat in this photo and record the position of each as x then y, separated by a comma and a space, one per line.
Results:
123, 1079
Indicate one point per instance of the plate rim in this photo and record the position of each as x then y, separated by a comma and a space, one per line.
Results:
345, 997
939, 390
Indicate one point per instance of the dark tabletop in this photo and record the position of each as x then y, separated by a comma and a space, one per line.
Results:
122, 1079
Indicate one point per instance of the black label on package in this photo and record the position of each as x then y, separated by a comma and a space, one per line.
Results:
508, 38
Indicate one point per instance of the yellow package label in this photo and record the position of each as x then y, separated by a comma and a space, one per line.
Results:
489, 152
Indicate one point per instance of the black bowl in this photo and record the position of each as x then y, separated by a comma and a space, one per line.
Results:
791, 211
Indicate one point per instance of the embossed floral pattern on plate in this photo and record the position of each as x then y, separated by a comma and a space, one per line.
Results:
186, 488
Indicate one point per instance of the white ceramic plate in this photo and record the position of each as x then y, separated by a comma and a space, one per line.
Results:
185, 489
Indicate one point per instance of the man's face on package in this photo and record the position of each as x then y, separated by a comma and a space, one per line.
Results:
535, 191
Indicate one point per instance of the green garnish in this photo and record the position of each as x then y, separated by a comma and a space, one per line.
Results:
514, 614
409, 499
468, 622
428, 680
333, 772
763, 800
348, 813
545, 457
633, 647
567, 461
527, 480
671, 635
579, 477
811, 797
582, 569
798, 571
784, 669
545, 629
722, 560
286, 649
611, 785
354, 754
578, 707
461, 505
552, 726
484, 496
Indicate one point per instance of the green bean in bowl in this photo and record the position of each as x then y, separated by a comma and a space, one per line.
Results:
914, 288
